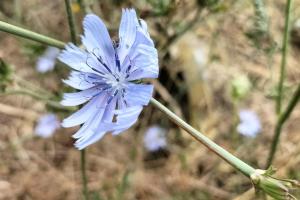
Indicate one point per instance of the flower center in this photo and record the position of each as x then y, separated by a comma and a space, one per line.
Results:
117, 82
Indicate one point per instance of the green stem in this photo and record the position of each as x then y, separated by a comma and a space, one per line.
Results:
83, 175
34, 95
281, 80
225, 155
228, 157
284, 54
281, 120
82, 152
30, 35
71, 21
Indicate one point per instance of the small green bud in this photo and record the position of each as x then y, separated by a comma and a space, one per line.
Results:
240, 87
279, 189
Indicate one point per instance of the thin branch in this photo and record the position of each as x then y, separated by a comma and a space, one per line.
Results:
281, 120
34, 95
71, 21
284, 54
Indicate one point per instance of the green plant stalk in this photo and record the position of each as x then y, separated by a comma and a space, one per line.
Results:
281, 80
281, 120
30, 35
72, 27
225, 155
83, 174
71, 21
34, 95
228, 157
284, 54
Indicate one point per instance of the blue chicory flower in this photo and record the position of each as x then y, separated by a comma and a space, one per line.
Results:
249, 123
47, 125
155, 138
105, 72
46, 62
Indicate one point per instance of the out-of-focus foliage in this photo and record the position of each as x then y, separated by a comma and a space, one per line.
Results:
5, 74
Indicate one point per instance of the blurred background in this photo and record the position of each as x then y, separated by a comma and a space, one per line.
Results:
219, 68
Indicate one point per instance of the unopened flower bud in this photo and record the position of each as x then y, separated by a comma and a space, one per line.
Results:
279, 189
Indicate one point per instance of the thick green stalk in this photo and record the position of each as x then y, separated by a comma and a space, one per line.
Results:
30, 35
71, 21
282, 118
284, 54
225, 155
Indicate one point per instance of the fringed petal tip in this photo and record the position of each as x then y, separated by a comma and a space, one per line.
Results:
82, 143
65, 123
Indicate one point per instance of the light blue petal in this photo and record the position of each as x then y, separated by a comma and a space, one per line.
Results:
79, 80
89, 126
96, 37
127, 32
95, 65
103, 112
93, 132
89, 130
86, 112
109, 112
144, 28
75, 58
106, 121
145, 56
77, 98
83, 144
121, 103
145, 60
143, 73
138, 94
126, 118
142, 35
